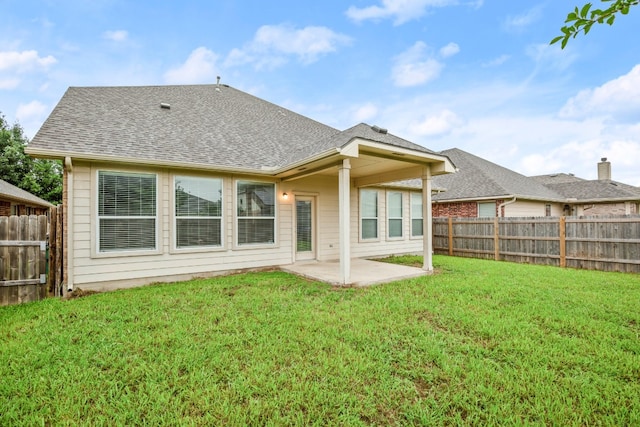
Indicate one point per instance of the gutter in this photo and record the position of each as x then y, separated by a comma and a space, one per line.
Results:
502, 205
51, 154
69, 215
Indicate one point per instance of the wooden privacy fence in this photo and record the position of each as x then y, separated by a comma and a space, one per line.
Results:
593, 243
30, 257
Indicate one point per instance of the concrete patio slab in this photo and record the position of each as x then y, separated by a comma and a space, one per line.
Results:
364, 272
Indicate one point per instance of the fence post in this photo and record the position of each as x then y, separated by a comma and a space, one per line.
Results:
563, 241
496, 239
450, 231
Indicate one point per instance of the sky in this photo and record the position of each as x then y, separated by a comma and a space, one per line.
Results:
478, 75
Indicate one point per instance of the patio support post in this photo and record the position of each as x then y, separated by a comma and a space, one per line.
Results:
344, 184
427, 220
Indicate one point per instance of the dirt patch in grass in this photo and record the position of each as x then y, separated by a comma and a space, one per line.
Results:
79, 293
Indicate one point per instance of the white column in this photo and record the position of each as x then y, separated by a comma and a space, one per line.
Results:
427, 220
344, 201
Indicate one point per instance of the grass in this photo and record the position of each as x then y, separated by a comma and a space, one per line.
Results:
480, 343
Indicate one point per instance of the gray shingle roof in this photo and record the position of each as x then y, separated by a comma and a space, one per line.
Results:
205, 124
556, 178
593, 190
570, 186
12, 192
479, 178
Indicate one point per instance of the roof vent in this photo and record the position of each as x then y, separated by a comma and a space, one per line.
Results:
379, 129
165, 106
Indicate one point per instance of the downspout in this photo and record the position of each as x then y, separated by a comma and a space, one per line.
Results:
68, 235
502, 205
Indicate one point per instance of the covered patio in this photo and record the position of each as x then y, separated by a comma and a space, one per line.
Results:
364, 272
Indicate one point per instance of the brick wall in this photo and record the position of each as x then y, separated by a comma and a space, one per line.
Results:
458, 209
5, 208
610, 209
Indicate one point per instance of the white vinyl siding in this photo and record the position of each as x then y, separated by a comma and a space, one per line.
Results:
487, 210
416, 215
198, 212
394, 214
368, 214
127, 211
256, 212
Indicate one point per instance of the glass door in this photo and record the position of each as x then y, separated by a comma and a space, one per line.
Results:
305, 228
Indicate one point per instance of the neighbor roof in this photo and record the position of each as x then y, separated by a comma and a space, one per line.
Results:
597, 190
212, 125
13, 193
557, 178
477, 178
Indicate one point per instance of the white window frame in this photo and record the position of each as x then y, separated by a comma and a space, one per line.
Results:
129, 252
395, 218
376, 218
416, 215
237, 218
176, 217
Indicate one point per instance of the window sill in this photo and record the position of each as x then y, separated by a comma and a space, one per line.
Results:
197, 250
125, 253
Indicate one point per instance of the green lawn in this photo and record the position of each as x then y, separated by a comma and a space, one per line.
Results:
479, 343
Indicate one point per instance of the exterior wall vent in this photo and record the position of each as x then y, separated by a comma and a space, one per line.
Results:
165, 106
379, 129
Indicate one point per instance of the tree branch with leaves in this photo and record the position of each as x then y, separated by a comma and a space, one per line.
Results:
40, 177
582, 19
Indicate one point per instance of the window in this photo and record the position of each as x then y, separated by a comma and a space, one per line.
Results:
127, 211
394, 214
416, 215
198, 212
256, 212
486, 210
547, 210
369, 214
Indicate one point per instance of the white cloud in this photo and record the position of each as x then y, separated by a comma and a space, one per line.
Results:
200, 67
415, 66
440, 124
550, 57
27, 60
116, 35
31, 116
30, 111
365, 113
497, 61
449, 50
585, 154
400, 10
520, 22
273, 44
618, 99
9, 83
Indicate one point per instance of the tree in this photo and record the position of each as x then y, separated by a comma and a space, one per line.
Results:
42, 178
581, 20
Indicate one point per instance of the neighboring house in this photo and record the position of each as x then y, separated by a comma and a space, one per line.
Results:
171, 182
480, 188
602, 196
16, 201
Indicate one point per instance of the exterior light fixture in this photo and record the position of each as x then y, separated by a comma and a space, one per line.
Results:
285, 196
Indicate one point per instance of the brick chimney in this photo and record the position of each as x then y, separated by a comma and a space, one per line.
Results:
604, 169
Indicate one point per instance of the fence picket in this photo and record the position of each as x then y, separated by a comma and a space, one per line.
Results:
600, 243
23, 262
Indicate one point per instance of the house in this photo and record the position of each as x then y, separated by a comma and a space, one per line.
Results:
171, 182
16, 201
481, 188
602, 196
